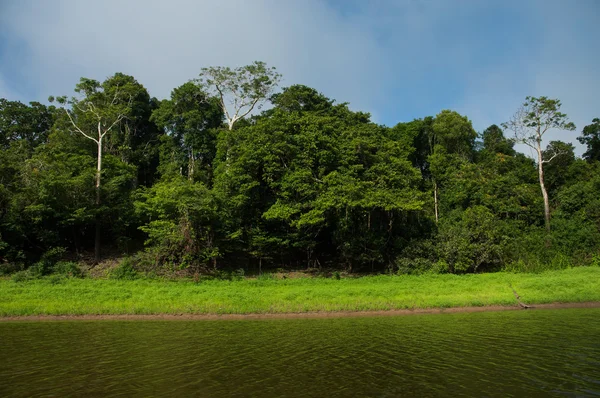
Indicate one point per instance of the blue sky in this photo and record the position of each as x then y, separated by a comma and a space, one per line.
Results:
399, 60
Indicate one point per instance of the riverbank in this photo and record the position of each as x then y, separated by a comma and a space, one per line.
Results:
304, 296
296, 315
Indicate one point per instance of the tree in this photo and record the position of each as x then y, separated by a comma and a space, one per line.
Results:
529, 124
240, 90
136, 141
451, 141
21, 122
299, 98
590, 136
190, 118
179, 217
472, 241
99, 110
494, 142
556, 174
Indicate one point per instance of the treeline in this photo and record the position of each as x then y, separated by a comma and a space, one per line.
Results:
204, 181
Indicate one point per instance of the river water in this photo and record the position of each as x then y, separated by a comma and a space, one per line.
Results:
493, 354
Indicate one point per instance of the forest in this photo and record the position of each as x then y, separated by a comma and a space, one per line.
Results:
234, 173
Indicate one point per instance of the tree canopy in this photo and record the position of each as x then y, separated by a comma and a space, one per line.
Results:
208, 180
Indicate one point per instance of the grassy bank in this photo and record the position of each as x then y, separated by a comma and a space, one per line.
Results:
151, 296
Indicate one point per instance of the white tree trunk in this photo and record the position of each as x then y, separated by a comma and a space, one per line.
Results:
98, 181
543, 187
435, 201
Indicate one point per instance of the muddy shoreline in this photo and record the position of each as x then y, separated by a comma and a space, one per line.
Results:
299, 315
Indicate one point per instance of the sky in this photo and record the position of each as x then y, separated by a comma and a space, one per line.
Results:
397, 59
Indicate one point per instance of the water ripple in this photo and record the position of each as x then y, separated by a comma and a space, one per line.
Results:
520, 353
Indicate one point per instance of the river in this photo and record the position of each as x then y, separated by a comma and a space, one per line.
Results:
486, 354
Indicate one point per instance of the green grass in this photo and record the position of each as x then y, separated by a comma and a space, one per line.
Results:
151, 296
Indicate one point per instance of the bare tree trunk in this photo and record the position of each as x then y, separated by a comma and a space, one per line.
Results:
543, 188
435, 201
191, 166
98, 176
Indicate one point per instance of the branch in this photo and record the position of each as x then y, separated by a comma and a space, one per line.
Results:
78, 129
251, 107
518, 298
114, 100
117, 120
223, 102
93, 110
553, 156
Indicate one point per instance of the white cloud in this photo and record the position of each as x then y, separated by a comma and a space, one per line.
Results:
163, 44
397, 60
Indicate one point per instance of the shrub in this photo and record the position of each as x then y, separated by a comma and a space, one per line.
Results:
10, 268
22, 276
124, 271
266, 276
67, 268
473, 241
47, 262
56, 279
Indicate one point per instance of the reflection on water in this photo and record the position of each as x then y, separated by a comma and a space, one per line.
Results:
511, 353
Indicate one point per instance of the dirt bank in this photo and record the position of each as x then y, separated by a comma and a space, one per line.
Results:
300, 315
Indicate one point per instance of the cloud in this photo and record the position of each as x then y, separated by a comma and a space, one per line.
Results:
165, 44
397, 60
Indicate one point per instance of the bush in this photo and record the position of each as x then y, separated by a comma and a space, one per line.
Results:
473, 241
67, 268
39, 269
266, 276
56, 279
22, 276
10, 268
124, 271
413, 266
47, 262
536, 265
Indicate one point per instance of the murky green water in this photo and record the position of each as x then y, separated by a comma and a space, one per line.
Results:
515, 353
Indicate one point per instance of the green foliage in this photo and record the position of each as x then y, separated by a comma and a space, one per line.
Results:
47, 262
308, 183
244, 88
180, 217
23, 276
473, 242
590, 136
190, 118
494, 142
7, 268
266, 276
124, 271
19, 122
454, 133
67, 268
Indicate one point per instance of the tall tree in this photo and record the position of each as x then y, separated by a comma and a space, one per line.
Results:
590, 136
494, 142
98, 111
529, 124
21, 122
451, 143
136, 140
190, 118
241, 89
557, 173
